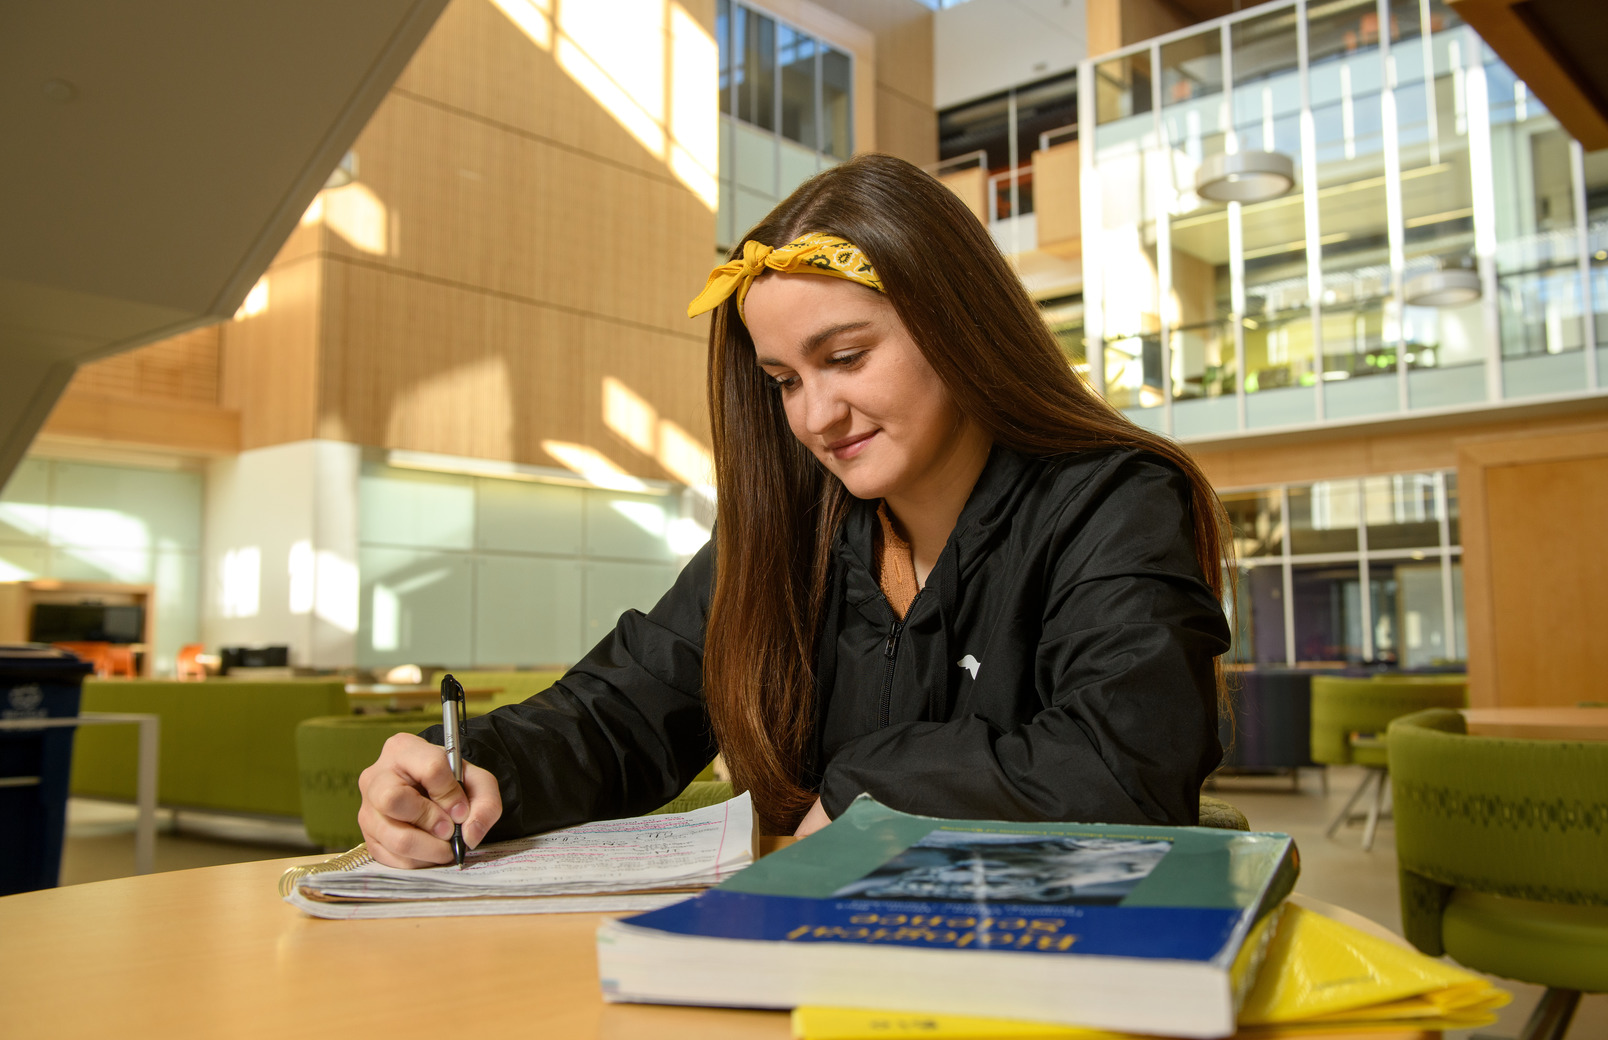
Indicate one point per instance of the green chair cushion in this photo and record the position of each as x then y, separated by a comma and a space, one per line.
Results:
1217, 813
697, 795
1368, 749
1548, 944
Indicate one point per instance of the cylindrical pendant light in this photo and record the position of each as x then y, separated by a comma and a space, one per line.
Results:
1245, 176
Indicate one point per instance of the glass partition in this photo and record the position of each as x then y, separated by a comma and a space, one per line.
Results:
1279, 346
1434, 230
1323, 517
1370, 573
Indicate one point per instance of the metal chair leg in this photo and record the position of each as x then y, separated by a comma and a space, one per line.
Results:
1380, 787
1551, 1017
1345, 813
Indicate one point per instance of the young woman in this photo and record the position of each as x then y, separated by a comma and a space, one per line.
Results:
943, 571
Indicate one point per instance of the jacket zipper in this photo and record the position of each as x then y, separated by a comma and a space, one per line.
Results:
890, 650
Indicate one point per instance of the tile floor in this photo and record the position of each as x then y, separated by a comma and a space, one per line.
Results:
100, 845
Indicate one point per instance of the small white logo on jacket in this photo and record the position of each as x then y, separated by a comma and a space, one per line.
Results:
971, 664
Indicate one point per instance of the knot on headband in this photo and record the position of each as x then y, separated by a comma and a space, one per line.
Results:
814, 253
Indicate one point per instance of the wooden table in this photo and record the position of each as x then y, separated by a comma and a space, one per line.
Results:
213, 952
1539, 723
367, 697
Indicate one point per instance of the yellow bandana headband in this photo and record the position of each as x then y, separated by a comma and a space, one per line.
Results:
814, 253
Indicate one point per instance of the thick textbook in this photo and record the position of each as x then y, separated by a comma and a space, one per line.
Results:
1143, 929
631, 864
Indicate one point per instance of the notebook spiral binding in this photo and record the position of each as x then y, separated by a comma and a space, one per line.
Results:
349, 860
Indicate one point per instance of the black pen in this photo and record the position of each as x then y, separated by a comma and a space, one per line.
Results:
453, 721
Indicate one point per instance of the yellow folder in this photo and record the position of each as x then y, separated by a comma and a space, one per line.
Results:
1320, 976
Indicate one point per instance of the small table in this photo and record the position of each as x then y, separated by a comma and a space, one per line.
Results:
1538, 723
145, 769
369, 697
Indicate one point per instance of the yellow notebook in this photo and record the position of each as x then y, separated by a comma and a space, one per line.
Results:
1320, 976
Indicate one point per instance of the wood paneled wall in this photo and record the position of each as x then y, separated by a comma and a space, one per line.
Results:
165, 396
1535, 576
1367, 450
1113, 24
507, 247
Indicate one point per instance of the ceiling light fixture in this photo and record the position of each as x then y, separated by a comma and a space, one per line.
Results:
1245, 176
1449, 287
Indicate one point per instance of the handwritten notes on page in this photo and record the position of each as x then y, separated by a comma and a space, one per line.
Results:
632, 864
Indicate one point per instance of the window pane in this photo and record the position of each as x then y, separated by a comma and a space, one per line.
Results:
1259, 616
1122, 88
1258, 521
1328, 613
837, 123
1454, 533
1347, 76
1536, 261
1323, 517
796, 55
723, 40
756, 95
1418, 630
1401, 511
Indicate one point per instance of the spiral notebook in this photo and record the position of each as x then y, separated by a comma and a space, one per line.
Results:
640, 863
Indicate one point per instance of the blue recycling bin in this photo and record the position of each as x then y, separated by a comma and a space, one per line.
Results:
36, 682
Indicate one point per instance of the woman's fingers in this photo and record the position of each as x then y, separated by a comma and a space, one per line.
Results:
485, 803
399, 844
411, 800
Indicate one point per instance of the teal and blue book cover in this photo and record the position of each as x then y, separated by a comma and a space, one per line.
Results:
1126, 927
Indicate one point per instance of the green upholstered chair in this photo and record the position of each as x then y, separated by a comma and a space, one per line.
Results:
1349, 720
331, 752
1502, 846
1215, 812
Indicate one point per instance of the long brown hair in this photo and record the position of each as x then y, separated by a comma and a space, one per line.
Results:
779, 509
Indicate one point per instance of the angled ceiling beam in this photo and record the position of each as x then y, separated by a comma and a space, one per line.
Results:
1549, 45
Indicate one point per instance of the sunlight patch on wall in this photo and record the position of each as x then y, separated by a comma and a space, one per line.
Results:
357, 215
240, 583
593, 466
684, 457
338, 592
627, 414
630, 415
303, 577
534, 18
256, 300
650, 65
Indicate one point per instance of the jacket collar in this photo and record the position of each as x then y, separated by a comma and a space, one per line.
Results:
999, 486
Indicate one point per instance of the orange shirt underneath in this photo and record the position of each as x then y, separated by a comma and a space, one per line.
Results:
896, 572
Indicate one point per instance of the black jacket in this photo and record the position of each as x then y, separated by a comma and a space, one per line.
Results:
1057, 665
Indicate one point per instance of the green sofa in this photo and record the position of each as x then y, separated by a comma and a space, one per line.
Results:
225, 746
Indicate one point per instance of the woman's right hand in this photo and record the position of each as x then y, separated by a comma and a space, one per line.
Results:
411, 801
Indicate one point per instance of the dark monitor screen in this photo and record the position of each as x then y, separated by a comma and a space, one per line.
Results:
87, 623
